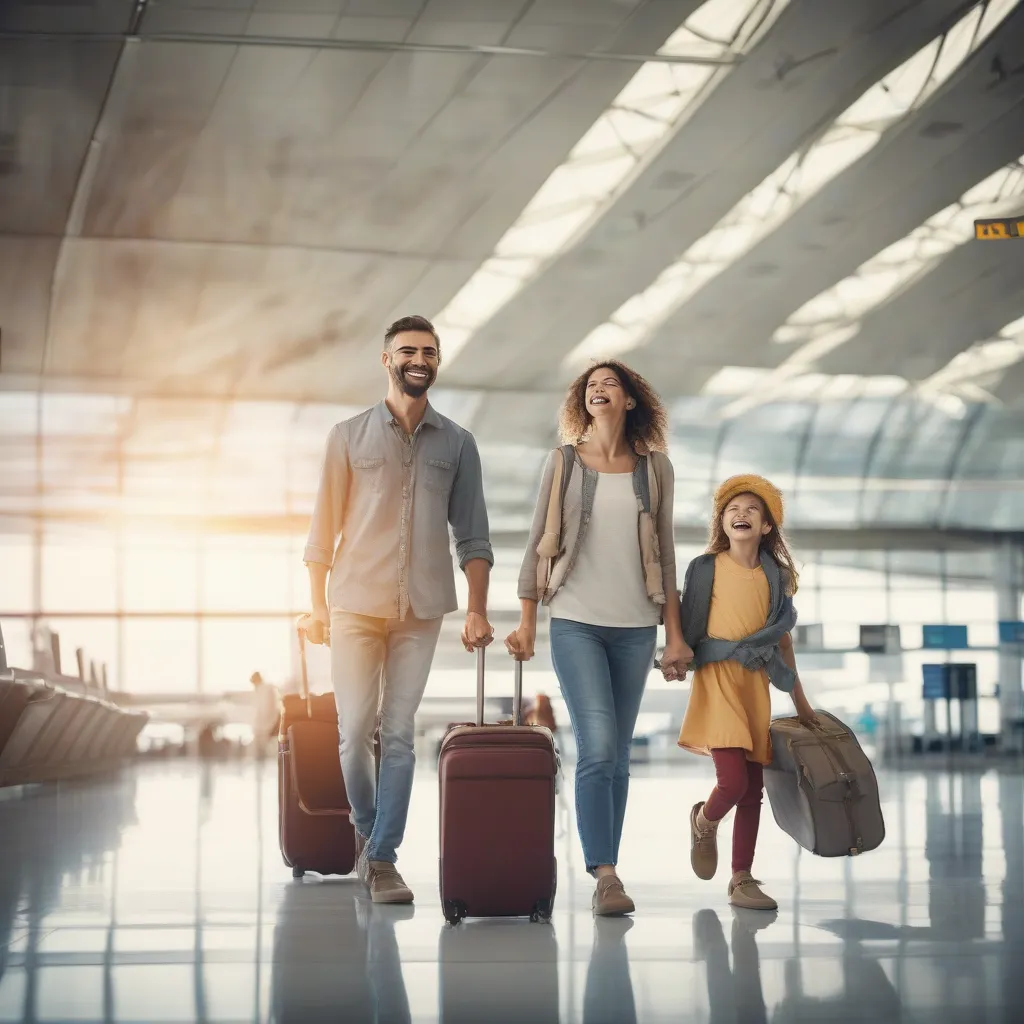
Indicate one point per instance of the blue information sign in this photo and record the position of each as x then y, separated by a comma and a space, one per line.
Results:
944, 638
935, 682
1011, 632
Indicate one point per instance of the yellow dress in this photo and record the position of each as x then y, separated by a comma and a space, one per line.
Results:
729, 705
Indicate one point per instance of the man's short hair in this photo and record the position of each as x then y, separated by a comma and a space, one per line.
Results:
410, 323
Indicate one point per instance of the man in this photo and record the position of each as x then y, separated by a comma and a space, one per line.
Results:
393, 479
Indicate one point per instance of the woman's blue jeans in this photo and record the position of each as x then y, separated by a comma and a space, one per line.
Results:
602, 671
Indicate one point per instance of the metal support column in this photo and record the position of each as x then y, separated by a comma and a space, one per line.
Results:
1008, 584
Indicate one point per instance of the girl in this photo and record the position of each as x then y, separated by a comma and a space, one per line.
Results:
601, 555
737, 614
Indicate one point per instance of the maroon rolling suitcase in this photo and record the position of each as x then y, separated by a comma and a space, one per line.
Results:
497, 789
315, 831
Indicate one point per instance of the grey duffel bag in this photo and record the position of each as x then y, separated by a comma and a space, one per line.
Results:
822, 788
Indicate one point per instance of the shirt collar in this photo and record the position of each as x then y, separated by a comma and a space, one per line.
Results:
431, 418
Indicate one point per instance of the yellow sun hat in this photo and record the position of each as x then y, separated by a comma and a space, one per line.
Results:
751, 484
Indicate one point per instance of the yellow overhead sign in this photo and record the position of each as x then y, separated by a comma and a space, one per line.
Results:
1000, 228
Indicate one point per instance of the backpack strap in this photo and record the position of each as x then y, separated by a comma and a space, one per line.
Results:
568, 461
647, 485
551, 539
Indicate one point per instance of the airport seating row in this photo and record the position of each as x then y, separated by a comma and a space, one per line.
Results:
53, 728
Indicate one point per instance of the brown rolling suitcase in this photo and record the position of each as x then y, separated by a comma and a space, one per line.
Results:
822, 788
315, 831
497, 793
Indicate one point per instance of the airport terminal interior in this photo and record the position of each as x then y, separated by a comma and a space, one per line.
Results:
801, 220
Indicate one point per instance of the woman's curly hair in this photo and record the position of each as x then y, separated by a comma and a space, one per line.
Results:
646, 424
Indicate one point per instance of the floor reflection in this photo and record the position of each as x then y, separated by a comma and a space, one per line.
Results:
321, 955
608, 996
498, 970
160, 896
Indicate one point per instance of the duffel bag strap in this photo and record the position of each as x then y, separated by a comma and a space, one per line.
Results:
844, 775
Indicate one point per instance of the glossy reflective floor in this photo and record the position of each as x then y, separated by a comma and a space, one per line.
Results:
161, 896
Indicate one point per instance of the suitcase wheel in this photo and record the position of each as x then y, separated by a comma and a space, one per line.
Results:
297, 872
455, 911
541, 911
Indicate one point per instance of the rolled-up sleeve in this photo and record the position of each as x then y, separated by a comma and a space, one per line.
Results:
667, 529
467, 510
528, 572
329, 510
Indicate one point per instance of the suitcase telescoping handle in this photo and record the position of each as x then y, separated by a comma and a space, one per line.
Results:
517, 699
315, 632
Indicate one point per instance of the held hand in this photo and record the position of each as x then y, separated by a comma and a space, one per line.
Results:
477, 632
520, 643
675, 661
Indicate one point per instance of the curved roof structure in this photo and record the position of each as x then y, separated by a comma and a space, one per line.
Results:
210, 210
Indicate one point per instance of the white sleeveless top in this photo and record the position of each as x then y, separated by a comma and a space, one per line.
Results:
606, 586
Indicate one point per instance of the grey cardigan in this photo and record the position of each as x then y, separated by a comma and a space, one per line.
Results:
757, 651
577, 508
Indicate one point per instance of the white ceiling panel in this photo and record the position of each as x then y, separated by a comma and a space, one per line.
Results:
211, 319
50, 99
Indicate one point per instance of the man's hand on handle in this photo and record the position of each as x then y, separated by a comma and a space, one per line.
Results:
477, 632
316, 626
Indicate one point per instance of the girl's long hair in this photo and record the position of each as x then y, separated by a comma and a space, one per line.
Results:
646, 424
775, 542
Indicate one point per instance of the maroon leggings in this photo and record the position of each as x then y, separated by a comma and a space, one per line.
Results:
739, 784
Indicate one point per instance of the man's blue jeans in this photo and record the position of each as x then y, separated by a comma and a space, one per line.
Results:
602, 671
379, 667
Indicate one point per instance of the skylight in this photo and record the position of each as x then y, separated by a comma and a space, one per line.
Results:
623, 140
834, 317
970, 374
853, 134
733, 381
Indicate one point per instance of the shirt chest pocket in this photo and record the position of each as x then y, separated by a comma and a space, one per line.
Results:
368, 473
438, 476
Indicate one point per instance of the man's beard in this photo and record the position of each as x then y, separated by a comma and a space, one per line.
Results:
414, 389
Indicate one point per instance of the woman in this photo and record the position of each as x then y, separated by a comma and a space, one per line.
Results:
601, 556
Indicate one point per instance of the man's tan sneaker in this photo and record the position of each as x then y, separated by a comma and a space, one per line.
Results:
745, 892
703, 844
386, 884
610, 899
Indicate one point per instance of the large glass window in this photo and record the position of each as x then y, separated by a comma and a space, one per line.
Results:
161, 655
79, 570
241, 574
16, 570
232, 649
160, 572
921, 605
98, 639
